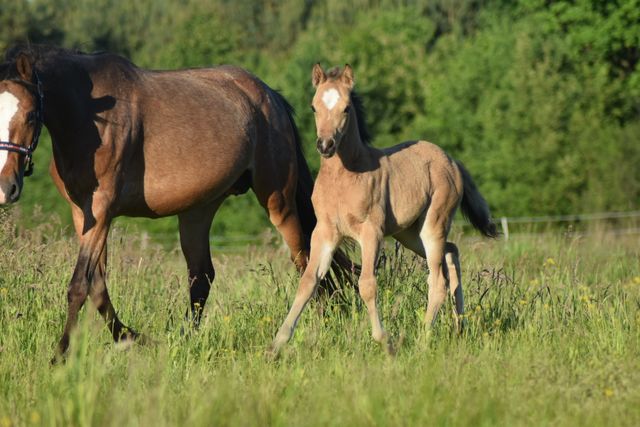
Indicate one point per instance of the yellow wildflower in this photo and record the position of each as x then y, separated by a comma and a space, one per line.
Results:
5, 422
636, 280
608, 392
34, 417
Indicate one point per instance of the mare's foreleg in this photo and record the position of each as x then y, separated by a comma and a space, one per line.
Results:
194, 240
324, 242
98, 288
89, 273
100, 297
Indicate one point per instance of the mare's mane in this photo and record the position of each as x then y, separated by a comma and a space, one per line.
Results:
49, 56
358, 105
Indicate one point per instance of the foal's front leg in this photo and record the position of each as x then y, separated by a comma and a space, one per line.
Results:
324, 242
367, 284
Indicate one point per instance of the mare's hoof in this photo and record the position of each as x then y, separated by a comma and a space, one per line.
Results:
127, 339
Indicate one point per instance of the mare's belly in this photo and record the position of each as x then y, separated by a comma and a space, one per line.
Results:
177, 184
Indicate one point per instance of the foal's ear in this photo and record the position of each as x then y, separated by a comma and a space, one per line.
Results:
24, 66
317, 75
347, 76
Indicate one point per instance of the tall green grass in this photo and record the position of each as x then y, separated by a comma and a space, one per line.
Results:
552, 338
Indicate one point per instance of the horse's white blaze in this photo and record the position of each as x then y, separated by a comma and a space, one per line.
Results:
330, 97
8, 108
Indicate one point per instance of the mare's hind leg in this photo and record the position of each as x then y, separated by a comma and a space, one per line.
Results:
277, 195
194, 240
454, 276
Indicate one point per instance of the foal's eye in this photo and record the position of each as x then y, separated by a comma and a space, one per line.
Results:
31, 117
313, 108
347, 109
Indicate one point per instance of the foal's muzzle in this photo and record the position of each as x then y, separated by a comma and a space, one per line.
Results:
326, 147
9, 190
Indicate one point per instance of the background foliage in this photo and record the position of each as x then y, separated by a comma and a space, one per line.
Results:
540, 99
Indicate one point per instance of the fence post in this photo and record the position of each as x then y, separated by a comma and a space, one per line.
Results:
505, 227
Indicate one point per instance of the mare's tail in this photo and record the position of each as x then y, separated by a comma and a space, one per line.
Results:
341, 267
474, 206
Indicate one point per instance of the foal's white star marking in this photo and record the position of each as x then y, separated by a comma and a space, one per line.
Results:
8, 108
330, 98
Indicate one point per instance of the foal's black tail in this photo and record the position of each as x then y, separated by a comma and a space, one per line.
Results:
342, 269
474, 206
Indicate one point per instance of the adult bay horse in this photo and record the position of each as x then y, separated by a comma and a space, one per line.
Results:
410, 191
134, 142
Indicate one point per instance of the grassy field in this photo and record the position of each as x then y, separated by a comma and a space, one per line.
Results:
553, 338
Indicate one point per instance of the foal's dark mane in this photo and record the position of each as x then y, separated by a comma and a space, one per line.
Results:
358, 105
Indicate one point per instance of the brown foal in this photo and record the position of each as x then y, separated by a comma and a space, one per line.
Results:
410, 191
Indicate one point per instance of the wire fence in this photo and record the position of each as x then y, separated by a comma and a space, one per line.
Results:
575, 219
618, 223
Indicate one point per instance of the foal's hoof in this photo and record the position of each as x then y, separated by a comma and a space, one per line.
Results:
389, 348
424, 338
272, 353
58, 359
387, 345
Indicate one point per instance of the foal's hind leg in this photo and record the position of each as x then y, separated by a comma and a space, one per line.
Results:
194, 240
452, 265
433, 235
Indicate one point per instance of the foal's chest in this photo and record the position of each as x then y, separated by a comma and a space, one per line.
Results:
348, 201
